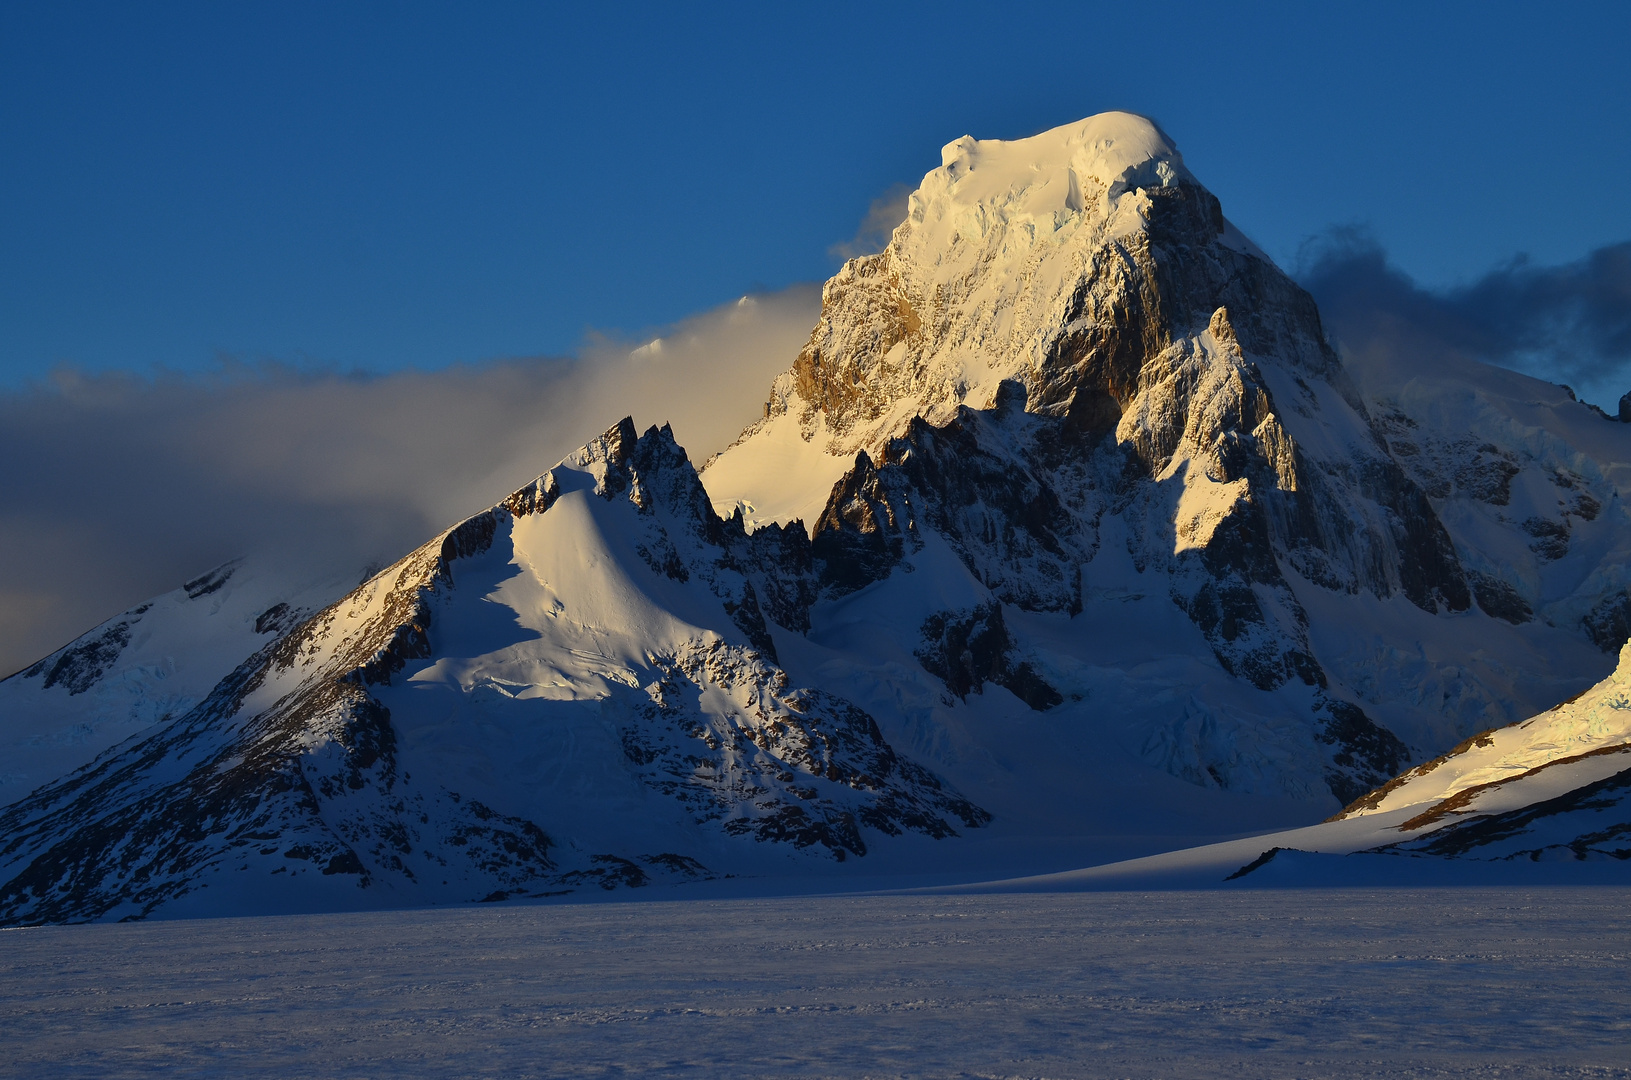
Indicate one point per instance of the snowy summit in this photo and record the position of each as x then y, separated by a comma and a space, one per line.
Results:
1066, 537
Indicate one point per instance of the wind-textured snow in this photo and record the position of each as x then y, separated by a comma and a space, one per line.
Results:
1519, 984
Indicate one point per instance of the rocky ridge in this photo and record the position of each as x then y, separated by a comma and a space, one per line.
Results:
1066, 328
1067, 479
293, 766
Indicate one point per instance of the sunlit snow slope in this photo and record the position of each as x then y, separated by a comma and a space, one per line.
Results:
1557, 784
1071, 370
573, 689
1554, 789
1066, 538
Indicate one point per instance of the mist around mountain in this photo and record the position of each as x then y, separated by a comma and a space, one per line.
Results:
1066, 538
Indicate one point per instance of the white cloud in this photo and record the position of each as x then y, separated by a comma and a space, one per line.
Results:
119, 487
882, 217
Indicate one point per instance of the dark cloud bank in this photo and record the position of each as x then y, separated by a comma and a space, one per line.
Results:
116, 488
1569, 324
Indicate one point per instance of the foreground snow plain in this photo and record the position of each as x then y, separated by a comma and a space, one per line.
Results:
1488, 982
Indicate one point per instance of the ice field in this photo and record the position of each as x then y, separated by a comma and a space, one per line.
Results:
1481, 982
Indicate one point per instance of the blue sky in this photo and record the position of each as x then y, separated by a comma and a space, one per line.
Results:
384, 186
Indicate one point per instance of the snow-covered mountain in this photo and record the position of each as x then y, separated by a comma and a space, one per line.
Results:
600, 661
145, 666
1072, 370
1555, 785
1066, 537
1553, 789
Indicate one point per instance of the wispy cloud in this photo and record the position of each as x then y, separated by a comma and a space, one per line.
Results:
118, 487
886, 212
1568, 324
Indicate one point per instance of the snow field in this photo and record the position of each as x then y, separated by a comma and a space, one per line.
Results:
1513, 983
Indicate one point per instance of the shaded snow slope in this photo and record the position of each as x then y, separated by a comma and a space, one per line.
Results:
1075, 373
149, 665
1066, 537
1553, 789
574, 689
1531, 483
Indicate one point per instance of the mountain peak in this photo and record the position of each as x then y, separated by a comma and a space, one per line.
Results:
613, 447
1068, 445
1060, 261
1115, 151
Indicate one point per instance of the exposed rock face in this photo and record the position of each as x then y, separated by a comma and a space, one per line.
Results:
288, 767
815, 768
967, 649
1069, 458
1135, 358
1610, 621
1530, 483
79, 666
1141, 325
294, 765
864, 532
